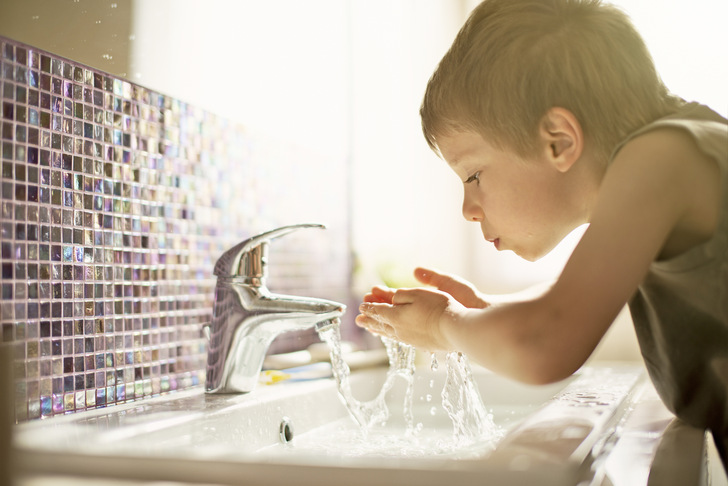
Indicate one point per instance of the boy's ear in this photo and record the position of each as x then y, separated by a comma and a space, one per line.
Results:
561, 137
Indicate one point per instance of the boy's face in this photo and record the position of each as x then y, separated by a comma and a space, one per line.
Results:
521, 205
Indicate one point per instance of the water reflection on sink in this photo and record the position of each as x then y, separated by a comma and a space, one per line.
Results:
302, 431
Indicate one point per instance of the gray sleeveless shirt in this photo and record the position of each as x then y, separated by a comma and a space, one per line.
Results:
680, 310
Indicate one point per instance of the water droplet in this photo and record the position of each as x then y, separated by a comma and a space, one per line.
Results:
35, 17
113, 5
433, 410
428, 397
433, 362
107, 57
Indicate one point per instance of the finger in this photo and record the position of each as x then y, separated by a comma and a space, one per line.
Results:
380, 295
460, 289
404, 296
375, 326
377, 311
373, 298
426, 275
365, 321
412, 296
442, 281
384, 294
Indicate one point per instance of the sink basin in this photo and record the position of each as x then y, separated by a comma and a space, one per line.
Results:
554, 434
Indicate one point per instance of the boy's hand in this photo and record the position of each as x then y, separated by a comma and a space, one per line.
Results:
415, 316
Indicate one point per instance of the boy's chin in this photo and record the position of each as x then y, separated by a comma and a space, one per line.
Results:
532, 254
537, 250
531, 257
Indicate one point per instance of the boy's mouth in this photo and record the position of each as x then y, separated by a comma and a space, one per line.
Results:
496, 242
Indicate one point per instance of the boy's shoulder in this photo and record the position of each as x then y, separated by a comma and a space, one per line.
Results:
693, 128
672, 161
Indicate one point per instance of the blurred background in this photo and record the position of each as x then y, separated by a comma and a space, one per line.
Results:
346, 77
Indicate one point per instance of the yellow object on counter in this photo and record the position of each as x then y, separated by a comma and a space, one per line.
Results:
270, 377
313, 371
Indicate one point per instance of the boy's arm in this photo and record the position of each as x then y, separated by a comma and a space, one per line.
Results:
647, 198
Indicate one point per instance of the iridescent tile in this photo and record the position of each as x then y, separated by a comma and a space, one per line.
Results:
67, 70
90, 398
101, 397
80, 400
69, 402
55, 404
138, 389
45, 386
32, 369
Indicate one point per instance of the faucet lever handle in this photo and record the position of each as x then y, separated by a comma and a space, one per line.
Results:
248, 258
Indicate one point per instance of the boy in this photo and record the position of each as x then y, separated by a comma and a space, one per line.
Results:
552, 114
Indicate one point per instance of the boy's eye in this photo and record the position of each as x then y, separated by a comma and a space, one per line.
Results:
473, 178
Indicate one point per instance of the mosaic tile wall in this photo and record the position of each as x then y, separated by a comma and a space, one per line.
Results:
116, 202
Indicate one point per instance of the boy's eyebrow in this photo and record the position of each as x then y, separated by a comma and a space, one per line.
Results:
461, 150
458, 158
454, 158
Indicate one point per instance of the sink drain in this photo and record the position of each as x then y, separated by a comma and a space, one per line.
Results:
285, 430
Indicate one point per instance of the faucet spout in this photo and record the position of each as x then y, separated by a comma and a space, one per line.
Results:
247, 318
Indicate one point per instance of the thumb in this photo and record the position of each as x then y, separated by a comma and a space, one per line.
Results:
427, 276
462, 291
441, 281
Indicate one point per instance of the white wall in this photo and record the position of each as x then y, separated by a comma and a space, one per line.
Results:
688, 43
277, 66
406, 200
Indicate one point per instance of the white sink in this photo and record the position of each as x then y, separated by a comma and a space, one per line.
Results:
558, 434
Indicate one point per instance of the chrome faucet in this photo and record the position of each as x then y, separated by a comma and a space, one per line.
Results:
247, 317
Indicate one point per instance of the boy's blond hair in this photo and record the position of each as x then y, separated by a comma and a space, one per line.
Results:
515, 59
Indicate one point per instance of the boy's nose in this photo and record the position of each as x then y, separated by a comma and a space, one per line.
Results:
472, 211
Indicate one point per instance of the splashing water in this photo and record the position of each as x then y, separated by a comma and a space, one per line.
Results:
402, 363
433, 362
368, 414
460, 397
